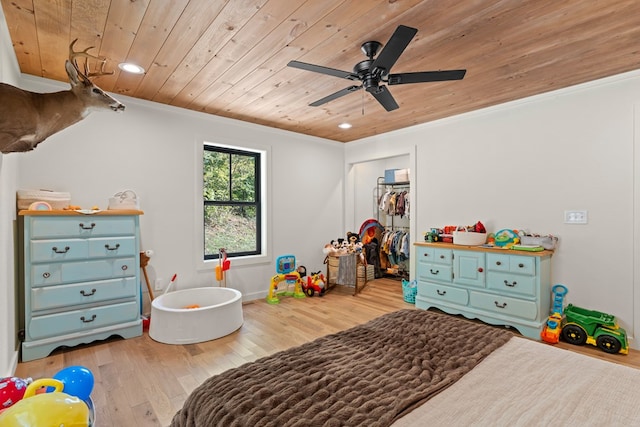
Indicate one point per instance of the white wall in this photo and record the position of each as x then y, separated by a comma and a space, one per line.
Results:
522, 164
156, 150
9, 73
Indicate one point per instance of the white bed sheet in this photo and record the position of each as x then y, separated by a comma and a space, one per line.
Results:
526, 383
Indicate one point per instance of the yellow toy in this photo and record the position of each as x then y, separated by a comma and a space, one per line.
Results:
287, 272
46, 409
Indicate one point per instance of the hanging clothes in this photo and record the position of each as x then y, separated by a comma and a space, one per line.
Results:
400, 204
407, 205
383, 202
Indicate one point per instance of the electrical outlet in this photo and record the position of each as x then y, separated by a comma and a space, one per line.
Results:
158, 284
575, 217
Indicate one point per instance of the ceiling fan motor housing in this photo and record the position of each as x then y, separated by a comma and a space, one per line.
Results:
363, 70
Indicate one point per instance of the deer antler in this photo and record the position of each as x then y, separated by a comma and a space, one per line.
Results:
84, 54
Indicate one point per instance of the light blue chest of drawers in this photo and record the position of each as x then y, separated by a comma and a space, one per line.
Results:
80, 278
497, 286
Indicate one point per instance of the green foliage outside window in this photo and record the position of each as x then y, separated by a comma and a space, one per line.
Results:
231, 194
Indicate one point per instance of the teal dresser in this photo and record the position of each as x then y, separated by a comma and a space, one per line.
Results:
497, 286
80, 278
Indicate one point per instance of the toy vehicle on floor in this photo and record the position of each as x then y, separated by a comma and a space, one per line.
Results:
553, 326
583, 326
315, 283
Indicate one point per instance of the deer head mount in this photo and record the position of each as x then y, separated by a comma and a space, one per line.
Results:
28, 118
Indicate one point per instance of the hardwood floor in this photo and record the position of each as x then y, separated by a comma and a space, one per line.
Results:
141, 382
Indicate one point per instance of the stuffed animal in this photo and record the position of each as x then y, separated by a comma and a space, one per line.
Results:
362, 259
352, 239
329, 250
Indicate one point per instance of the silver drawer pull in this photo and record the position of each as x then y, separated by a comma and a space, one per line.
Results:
112, 248
124, 267
60, 251
511, 285
434, 272
441, 293
503, 305
88, 321
87, 227
46, 275
84, 294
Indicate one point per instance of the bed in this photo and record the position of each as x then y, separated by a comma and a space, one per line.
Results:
414, 368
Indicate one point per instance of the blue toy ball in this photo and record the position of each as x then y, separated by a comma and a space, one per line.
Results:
77, 380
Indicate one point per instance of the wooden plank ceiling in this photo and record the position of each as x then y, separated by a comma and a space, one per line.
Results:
229, 57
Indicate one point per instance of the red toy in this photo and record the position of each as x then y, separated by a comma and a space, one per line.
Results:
12, 390
315, 283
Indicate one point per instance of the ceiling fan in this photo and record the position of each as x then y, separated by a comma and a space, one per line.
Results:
371, 72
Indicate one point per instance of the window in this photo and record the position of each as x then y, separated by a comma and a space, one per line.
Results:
232, 205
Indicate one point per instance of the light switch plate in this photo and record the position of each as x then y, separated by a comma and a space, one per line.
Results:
575, 217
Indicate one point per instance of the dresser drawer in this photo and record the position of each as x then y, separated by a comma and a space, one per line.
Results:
59, 250
511, 263
437, 272
51, 297
80, 320
81, 271
443, 293
498, 262
511, 283
112, 247
46, 274
522, 265
511, 307
81, 226
431, 255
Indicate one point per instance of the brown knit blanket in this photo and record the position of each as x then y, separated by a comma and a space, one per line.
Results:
368, 375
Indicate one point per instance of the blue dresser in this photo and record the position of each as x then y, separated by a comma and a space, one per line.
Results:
497, 286
80, 278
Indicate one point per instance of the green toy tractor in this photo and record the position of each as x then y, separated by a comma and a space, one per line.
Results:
582, 326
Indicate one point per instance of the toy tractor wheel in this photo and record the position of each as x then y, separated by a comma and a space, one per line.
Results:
608, 344
309, 292
574, 334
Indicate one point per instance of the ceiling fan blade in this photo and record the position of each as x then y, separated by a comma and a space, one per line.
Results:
425, 76
384, 97
322, 70
393, 49
333, 96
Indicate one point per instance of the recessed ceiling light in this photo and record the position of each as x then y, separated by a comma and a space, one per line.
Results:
131, 68
344, 125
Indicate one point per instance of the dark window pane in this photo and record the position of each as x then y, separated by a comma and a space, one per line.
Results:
243, 178
216, 168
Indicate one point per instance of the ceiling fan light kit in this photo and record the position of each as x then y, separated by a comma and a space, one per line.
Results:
372, 72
